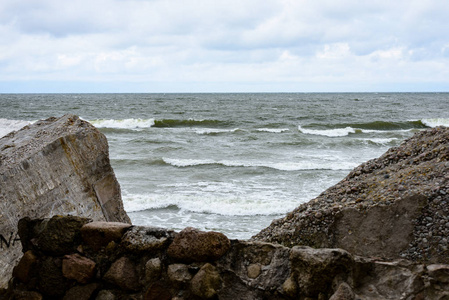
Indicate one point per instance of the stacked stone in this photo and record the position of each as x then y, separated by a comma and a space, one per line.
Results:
75, 258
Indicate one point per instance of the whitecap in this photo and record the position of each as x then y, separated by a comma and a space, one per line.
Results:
123, 124
273, 130
187, 162
7, 126
382, 141
337, 132
306, 164
261, 203
214, 130
436, 122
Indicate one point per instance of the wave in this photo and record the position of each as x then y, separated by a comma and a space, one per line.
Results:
382, 141
336, 132
281, 166
228, 205
345, 129
215, 131
7, 125
387, 125
138, 124
123, 124
436, 122
189, 123
273, 130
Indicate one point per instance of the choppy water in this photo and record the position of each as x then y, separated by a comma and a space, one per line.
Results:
233, 162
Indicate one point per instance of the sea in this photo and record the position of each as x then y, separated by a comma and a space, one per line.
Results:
233, 162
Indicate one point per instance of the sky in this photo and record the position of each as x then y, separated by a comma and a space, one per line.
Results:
224, 46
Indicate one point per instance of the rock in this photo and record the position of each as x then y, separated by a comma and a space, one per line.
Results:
123, 273
392, 280
78, 268
206, 283
344, 292
248, 270
52, 283
439, 273
390, 207
290, 288
105, 295
153, 269
55, 236
158, 291
179, 273
192, 245
26, 266
146, 239
360, 232
56, 166
316, 269
254, 270
27, 295
99, 234
274, 262
81, 292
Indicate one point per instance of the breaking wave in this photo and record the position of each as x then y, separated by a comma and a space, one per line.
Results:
7, 126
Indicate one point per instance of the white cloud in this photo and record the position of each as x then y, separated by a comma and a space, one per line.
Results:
234, 42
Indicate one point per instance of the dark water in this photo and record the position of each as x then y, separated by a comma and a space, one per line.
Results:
233, 162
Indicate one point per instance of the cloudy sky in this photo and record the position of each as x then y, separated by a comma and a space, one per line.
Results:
224, 46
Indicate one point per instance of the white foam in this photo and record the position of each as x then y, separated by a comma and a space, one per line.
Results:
436, 122
382, 141
214, 130
273, 130
6, 125
337, 132
262, 203
187, 162
123, 124
304, 164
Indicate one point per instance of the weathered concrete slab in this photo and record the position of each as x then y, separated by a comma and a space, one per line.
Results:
57, 166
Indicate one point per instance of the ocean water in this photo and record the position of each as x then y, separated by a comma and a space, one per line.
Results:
233, 162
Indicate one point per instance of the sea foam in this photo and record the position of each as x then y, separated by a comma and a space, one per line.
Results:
215, 203
305, 164
436, 122
337, 132
123, 124
6, 125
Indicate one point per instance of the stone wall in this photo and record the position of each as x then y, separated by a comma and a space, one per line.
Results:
74, 258
54, 166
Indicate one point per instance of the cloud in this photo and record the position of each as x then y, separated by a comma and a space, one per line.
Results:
239, 43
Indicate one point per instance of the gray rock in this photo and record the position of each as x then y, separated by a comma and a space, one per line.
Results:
56, 166
316, 269
105, 295
179, 273
123, 273
153, 269
99, 234
146, 239
344, 292
206, 283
